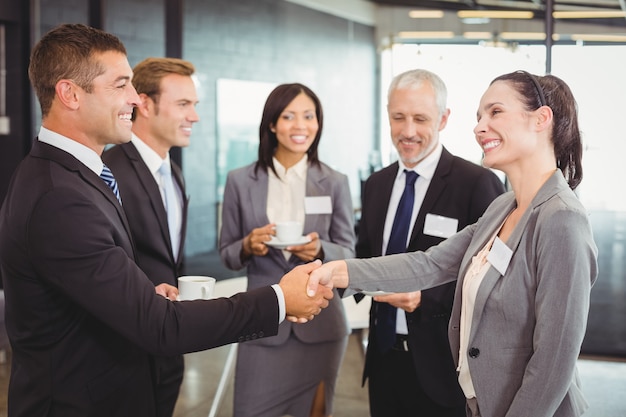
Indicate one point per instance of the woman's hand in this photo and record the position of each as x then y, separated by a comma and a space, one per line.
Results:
309, 251
254, 243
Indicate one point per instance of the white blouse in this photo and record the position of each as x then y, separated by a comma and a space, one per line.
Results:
286, 193
473, 278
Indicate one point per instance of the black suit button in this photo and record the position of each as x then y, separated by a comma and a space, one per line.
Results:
261, 334
474, 352
254, 336
241, 339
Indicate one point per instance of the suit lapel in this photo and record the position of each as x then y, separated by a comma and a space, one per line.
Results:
180, 180
437, 186
150, 188
315, 182
46, 151
257, 195
257, 204
380, 203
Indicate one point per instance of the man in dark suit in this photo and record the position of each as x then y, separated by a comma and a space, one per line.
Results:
163, 119
83, 319
413, 374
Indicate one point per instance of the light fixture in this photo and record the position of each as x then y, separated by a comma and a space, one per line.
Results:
426, 14
494, 14
588, 14
426, 35
478, 35
535, 36
598, 37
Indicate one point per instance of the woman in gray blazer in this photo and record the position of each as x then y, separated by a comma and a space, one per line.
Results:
524, 270
295, 372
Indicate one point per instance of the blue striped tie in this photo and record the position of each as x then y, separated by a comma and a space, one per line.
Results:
108, 177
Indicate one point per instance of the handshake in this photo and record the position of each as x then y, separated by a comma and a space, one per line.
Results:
308, 288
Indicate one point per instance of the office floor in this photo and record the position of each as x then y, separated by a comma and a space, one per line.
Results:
604, 384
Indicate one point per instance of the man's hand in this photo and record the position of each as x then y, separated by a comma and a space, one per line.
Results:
168, 291
330, 275
301, 307
407, 301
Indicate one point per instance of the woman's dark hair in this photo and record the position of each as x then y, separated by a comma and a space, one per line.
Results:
551, 91
276, 102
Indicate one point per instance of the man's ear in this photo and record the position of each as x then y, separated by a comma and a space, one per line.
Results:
68, 94
145, 106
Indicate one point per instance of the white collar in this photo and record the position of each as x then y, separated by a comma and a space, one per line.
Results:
84, 154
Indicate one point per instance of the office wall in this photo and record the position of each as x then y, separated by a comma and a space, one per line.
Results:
276, 42
15, 136
269, 41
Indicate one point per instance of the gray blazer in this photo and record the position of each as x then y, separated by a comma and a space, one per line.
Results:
244, 208
528, 324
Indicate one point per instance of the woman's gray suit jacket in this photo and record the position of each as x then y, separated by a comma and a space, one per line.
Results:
245, 207
528, 324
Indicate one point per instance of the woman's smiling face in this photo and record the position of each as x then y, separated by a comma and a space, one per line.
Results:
297, 126
504, 130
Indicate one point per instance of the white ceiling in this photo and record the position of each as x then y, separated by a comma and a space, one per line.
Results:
390, 17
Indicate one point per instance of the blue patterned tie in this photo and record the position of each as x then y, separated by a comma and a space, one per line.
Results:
386, 313
108, 177
172, 206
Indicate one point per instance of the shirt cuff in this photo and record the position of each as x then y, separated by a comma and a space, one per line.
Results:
281, 302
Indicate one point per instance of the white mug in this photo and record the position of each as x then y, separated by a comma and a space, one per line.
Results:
194, 287
289, 231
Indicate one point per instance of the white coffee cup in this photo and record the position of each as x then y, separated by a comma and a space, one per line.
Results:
194, 287
289, 231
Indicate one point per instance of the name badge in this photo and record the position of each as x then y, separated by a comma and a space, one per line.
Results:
440, 226
500, 255
318, 205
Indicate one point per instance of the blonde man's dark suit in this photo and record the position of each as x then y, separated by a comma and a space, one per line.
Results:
458, 190
147, 217
81, 315
144, 208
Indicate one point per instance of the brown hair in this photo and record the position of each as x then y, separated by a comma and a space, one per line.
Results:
147, 75
68, 52
276, 102
551, 91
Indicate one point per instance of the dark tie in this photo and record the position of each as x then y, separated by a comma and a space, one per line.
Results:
108, 177
386, 313
172, 206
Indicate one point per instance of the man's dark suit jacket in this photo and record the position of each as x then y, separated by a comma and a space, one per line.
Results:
146, 214
460, 190
81, 315
147, 218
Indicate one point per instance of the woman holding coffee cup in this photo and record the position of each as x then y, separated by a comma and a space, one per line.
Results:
288, 189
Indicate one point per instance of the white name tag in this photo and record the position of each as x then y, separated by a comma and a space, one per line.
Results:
499, 256
440, 226
318, 205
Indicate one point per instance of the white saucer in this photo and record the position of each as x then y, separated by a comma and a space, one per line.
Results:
275, 243
375, 293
